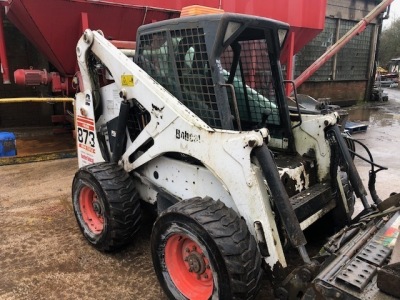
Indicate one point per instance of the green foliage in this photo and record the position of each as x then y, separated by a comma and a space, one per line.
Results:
390, 43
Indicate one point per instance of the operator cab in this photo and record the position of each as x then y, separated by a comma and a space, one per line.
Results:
223, 67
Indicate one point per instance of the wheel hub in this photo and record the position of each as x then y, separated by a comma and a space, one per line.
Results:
91, 210
97, 207
196, 263
189, 267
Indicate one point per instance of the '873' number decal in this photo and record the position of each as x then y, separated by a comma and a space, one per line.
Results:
86, 137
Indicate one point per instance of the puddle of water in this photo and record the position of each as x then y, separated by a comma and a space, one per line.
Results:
385, 119
375, 115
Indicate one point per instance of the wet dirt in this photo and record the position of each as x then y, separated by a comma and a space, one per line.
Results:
383, 140
43, 255
42, 252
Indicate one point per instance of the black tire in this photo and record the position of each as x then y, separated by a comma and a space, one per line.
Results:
225, 260
106, 205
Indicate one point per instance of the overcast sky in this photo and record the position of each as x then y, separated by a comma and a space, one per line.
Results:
394, 13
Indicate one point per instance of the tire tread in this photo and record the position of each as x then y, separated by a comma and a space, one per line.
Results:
243, 261
123, 201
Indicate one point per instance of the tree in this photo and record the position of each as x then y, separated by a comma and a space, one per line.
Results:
390, 43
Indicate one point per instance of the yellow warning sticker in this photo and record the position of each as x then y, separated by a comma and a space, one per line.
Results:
127, 80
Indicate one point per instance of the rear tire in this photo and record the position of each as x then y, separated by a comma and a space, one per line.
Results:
202, 250
106, 205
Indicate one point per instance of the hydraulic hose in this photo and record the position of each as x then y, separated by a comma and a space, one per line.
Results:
372, 174
279, 195
281, 200
354, 177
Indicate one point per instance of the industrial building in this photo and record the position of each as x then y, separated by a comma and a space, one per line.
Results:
348, 77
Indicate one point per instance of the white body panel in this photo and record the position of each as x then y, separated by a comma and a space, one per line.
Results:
310, 135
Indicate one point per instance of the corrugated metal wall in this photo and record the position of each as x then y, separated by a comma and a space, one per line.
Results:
352, 61
345, 77
312, 51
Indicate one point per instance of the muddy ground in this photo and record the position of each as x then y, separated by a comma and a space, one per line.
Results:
44, 256
382, 138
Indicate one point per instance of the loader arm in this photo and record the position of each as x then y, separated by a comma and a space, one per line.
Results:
173, 128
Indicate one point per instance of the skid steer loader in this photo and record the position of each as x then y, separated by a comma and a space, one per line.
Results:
199, 127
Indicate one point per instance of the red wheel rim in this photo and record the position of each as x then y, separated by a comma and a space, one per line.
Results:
91, 210
189, 267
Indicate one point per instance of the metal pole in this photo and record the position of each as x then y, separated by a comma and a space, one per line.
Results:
290, 63
30, 99
337, 36
3, 51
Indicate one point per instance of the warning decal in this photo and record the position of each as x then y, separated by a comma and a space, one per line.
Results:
127, 80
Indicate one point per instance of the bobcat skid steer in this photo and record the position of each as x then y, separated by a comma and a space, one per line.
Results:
198, 126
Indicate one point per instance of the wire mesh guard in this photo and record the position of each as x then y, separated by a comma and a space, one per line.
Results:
187, 75
250, 73
189, 64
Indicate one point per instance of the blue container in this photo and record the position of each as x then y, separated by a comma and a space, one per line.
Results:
8, 145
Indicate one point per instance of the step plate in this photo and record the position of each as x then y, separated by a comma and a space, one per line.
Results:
362, 268
374, 253
358, 273
310, 201
352, 274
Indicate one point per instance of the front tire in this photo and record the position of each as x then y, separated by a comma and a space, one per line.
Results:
106, 205
202, 250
